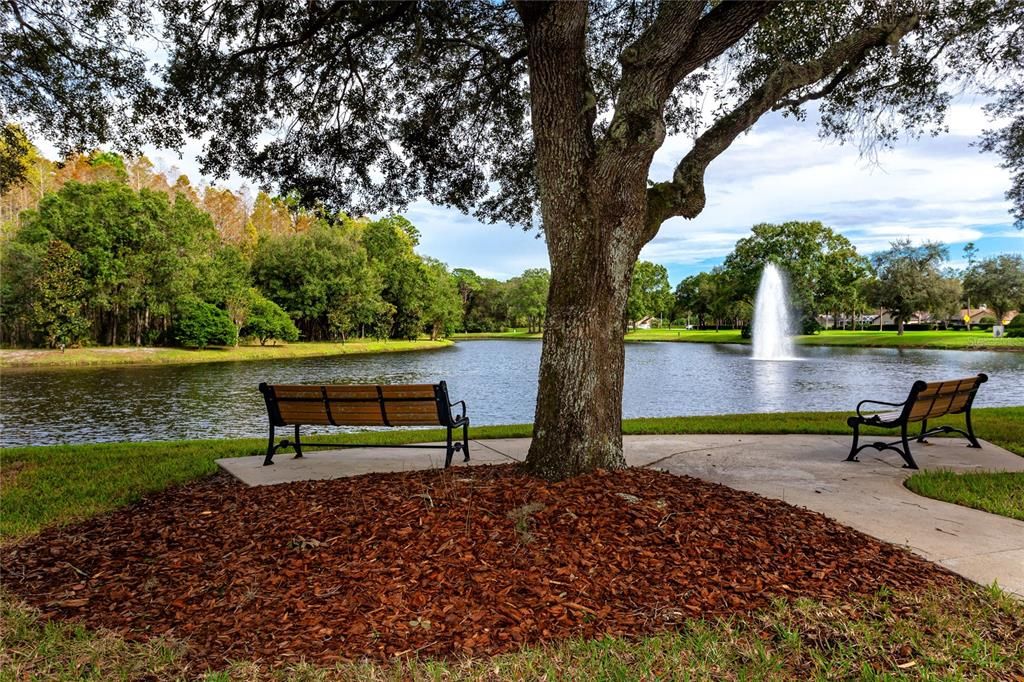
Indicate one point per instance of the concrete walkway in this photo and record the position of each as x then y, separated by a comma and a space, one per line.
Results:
804, 470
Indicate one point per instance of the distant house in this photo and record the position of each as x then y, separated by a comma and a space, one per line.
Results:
976, 315
644, 322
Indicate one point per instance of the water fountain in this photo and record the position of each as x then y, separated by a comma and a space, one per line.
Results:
772, 325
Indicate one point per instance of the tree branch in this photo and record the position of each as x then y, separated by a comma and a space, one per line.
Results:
719, 30
677, 42
318, 23
684, 195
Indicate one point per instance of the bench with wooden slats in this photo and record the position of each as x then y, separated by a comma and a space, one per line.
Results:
363, 405
926, 401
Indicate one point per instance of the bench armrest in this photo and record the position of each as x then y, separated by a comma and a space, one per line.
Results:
459, 417
876, 402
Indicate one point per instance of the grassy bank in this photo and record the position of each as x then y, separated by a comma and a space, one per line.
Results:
133, 355
62, 483
942, 340
958, 633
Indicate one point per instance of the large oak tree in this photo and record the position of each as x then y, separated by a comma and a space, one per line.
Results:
540, 113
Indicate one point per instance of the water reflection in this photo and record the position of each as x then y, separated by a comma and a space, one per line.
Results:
498, 379
771, 383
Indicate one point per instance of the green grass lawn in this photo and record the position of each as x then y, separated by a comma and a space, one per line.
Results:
995, 492
955, 340
133, 355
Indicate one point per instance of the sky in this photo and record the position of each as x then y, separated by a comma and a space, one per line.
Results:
931, 189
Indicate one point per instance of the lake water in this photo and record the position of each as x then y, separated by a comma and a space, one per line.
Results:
497, 379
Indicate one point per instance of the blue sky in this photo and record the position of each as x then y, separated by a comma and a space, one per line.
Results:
939, 189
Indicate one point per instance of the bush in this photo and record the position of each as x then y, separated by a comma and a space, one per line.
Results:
199, 324
809, 325
266, 320
1016, 327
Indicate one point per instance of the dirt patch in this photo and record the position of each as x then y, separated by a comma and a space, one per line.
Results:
440, 563
11, 470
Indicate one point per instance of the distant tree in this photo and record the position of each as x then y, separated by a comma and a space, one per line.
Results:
139, 251
59, 289
998, 282
823, 266
945, 303
321, 278
442, 311
199, 324
528, 296
15, 150
389, 245
468, 284
266, 320
909, 279
649, 293
706, 295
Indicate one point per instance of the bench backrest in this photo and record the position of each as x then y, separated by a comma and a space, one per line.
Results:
938, 398
358, 405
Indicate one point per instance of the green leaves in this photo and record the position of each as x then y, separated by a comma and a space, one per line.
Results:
199, 324
997, 282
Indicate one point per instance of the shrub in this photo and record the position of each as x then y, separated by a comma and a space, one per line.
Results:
1016, 327
266, 320
809, 325
199, 324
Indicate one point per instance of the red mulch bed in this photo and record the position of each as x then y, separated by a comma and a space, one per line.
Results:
439, 563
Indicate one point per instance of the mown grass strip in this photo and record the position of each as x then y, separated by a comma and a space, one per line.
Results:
948, 340
62, 483
93, 357
995, 492
960, 633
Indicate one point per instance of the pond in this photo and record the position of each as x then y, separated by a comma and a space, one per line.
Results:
498, 380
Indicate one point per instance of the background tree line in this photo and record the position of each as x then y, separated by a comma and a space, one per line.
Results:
828, 277
103, 250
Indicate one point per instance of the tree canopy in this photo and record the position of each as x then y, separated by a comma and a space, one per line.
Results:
910, 279
998, 282
823, 266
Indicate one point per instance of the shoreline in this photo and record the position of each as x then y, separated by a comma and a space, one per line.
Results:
149, 356
964, 341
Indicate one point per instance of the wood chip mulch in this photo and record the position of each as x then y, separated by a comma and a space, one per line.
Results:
470, 561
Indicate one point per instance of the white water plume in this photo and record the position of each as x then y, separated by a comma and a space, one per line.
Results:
772, 322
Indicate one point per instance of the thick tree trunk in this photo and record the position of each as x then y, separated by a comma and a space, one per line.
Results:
578, 422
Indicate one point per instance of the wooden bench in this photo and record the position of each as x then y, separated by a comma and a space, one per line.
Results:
926, 401
363, 405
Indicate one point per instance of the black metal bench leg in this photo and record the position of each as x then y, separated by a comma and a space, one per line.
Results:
910, 463
852, 457
970, 430
269, 459
924, 427
465, 440
450, 451
298, 443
